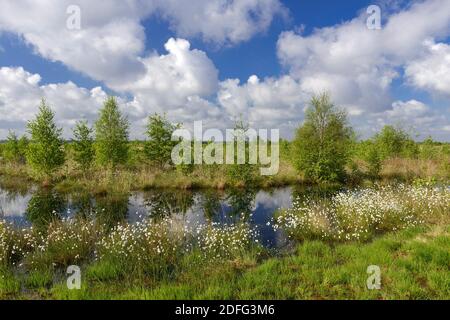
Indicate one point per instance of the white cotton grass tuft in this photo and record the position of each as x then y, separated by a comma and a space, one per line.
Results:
359, 214
147, 242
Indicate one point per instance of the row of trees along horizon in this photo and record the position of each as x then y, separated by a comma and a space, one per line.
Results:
321, 150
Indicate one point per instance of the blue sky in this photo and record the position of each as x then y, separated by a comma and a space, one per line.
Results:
283, 43
256, 56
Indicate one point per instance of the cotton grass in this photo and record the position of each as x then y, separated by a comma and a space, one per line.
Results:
361, 214
146, 246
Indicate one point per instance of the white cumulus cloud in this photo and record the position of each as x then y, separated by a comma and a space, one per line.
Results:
21, 92
111, 40
432, 71
221, 21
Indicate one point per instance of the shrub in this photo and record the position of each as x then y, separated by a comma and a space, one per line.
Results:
159, 148
373, 159
446, 150
45, 153
241, 172
83, 146
322, 145
395, 142
14, 149
111, 135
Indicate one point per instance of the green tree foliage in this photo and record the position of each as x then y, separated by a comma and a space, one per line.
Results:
429, 149
15, 149
23, 148
45, 152
83, 146
373, 158
445, 150
322, 145
209, 147
395, 142
111, 135
241, 173
159, 146
285, 149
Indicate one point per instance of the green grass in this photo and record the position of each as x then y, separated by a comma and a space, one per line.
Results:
9, 284
39, 279
415, 264
105, 270
321, 271
139, 174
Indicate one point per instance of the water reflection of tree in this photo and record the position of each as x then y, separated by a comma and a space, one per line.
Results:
241, 201
210, 203
164, 203
44, 207
111, 209
83, 205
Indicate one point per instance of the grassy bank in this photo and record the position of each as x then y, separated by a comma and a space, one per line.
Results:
414, 264
144, 177
406, 232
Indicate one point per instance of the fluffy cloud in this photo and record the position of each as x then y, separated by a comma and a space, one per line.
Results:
179, 83
432, 71
106, 46
111, 40
222, 21
268, 103
421, 119
109, 47
179, 94
170, 79
21, 92
357, 65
